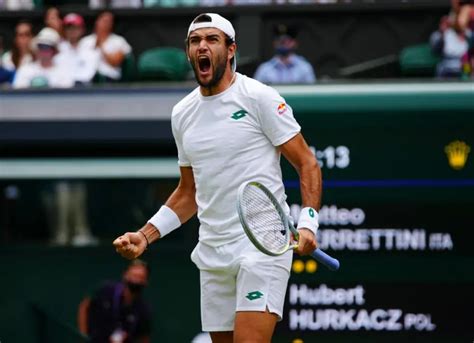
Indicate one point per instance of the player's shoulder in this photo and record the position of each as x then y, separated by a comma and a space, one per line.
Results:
255, 89
186, 103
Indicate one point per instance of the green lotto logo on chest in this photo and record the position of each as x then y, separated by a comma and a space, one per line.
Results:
239, 114
254, 295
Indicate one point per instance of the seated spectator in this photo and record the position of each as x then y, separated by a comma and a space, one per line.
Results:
5, 74
52, 19
82, 61
115, 3
45, 71
17, 5
285, 67
466, 22
21, 53
111, 48
452, 44
117, 312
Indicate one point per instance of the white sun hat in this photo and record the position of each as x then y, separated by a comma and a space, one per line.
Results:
47, 36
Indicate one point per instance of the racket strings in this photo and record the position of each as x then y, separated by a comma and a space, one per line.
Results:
263, 220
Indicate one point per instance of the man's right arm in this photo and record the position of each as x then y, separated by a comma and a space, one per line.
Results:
182, 202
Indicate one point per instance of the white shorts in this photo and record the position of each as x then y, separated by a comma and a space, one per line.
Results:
238, 277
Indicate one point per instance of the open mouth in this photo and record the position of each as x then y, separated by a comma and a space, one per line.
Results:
204, 64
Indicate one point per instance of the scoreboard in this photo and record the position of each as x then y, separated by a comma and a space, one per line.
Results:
398, 194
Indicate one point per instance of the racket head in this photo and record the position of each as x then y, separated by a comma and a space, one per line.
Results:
263, 219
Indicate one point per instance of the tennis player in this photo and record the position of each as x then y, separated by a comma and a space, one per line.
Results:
229, 130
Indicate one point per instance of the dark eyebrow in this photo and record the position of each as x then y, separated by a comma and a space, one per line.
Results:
212, 36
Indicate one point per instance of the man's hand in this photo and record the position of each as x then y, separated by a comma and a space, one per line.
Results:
130, 245
307, 242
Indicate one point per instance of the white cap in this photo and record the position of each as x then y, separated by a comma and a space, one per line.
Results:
218, 22
47, 36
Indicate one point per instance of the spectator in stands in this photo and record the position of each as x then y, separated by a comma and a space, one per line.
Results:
466, 22
451, 42
17, 5
116, 312
45, 71
52, 19
111, 47
21, 53
81, 60
5, 74
115, 3
286, 66
466, 15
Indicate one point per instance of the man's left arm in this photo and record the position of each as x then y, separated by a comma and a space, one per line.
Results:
297, 152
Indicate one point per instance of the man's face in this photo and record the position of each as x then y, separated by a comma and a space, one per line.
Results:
285, 45
209, 55
53, 19
23, 36
73, 33
45, 53
104, 23
137, 275
136, 279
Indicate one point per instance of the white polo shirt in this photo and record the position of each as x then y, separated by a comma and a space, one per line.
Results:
228, 139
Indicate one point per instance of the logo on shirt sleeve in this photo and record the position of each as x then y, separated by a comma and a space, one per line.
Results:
281, 108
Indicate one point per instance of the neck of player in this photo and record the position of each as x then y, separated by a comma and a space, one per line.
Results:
225, 82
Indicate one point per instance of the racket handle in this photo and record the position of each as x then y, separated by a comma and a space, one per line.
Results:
325, 259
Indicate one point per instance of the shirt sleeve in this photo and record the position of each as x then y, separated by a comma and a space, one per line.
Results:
183, 160
276, 117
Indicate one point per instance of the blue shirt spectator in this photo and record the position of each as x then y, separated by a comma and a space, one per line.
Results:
296, 69
286, 67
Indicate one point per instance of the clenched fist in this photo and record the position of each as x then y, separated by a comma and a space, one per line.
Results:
307, 242
130, 245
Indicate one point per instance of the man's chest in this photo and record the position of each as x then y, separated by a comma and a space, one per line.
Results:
222, 132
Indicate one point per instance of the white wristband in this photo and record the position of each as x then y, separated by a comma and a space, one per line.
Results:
165, 220
308, 219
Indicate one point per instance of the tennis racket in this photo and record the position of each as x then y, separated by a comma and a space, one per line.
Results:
267, 226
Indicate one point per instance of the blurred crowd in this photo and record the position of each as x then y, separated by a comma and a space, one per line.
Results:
100, 4
453, 42
61, 55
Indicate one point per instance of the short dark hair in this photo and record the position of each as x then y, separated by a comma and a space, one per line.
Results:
138, 262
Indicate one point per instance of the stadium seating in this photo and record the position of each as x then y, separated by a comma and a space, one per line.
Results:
163, 64
129, 69
418, 60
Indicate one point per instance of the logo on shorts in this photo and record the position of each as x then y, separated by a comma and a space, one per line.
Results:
239, 114
254, 295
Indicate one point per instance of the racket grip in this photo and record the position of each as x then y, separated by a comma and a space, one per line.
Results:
325, 259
